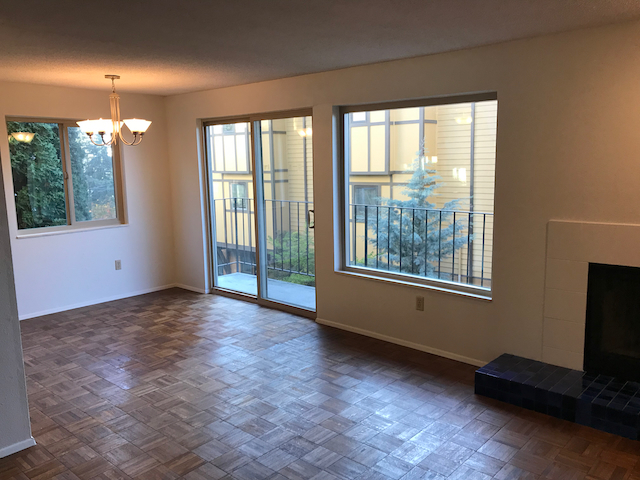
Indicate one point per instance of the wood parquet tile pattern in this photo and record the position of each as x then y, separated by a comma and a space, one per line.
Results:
179, 385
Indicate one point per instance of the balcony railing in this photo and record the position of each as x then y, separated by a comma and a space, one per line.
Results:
450, 245
290, 242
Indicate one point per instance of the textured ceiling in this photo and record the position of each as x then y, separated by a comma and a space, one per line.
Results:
166, 47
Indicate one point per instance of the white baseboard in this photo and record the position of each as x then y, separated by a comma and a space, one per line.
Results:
404, 343
96, 301
16, 447
190, 288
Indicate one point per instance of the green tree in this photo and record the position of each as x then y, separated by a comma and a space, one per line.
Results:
412, 235
92, 174
292, 251
38, 180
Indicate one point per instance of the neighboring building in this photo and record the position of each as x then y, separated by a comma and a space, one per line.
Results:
288, 189
457, 141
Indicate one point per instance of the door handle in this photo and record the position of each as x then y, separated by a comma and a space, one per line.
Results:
311, 225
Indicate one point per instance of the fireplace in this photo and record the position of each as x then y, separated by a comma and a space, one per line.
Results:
612, 336
591, 322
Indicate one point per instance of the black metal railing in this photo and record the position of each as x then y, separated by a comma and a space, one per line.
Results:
291, 247
451, 245
290, 240
234, 219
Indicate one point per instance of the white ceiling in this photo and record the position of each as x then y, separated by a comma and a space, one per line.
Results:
166, 47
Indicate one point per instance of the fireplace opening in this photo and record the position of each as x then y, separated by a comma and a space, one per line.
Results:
612, 337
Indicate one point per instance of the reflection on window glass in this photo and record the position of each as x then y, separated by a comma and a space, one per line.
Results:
38, 178
92, 172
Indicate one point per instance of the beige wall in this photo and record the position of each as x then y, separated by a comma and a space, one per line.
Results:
64, 271
568, 143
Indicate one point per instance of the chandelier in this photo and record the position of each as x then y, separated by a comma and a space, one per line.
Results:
113, 127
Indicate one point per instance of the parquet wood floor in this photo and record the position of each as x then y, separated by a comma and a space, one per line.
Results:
179, 385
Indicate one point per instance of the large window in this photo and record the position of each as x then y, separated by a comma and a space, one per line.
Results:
419, 186
60, 178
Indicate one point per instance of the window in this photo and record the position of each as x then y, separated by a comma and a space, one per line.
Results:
419, 186
239, 194
60, 178
229, 147
364, 195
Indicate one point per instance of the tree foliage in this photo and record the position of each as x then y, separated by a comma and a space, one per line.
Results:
413, 236
38, 177
292, 251
92, 174
38, 181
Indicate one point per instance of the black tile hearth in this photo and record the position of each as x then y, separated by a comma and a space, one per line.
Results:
597, 401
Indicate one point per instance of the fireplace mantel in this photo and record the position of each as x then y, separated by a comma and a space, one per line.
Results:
571, 246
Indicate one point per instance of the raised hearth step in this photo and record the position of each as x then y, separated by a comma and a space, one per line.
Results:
597, 401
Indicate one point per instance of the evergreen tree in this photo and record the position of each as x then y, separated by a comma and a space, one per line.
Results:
38, 180
412, 235
92, 174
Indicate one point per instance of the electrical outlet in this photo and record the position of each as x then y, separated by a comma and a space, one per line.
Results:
420, 303
118, 264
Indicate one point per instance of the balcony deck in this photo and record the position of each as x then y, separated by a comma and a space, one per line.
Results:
277, 290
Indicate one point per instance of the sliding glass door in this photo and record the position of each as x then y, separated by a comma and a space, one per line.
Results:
232, 207
263, 243
284, 176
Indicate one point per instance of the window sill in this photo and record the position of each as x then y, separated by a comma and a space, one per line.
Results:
65, 231
477, 293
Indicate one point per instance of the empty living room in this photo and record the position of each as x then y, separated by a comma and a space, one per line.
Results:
321, 240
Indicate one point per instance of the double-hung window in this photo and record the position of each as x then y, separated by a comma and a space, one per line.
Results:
60, 179
419, 191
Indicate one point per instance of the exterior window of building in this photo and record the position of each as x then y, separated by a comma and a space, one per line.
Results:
420, 192
229, 147
364, 195
60, 178
239, 195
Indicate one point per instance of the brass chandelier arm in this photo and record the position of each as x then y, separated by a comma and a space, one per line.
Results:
103, 144
117, 123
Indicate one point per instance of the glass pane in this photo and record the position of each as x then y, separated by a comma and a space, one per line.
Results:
377, 117
230, 154
377, 149
241, 152
287, 182
432, 215
359, 149
92, 178
232, 208
218, 153
38, 179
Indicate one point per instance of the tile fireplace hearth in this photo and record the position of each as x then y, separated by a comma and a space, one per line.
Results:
597, 401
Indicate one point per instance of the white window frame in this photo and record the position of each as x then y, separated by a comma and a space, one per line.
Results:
72, 223
482, 293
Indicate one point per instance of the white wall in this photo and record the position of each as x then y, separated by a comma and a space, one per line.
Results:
568, 143
15, 430
58, 272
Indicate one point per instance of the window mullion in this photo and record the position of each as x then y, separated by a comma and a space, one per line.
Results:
66, 169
